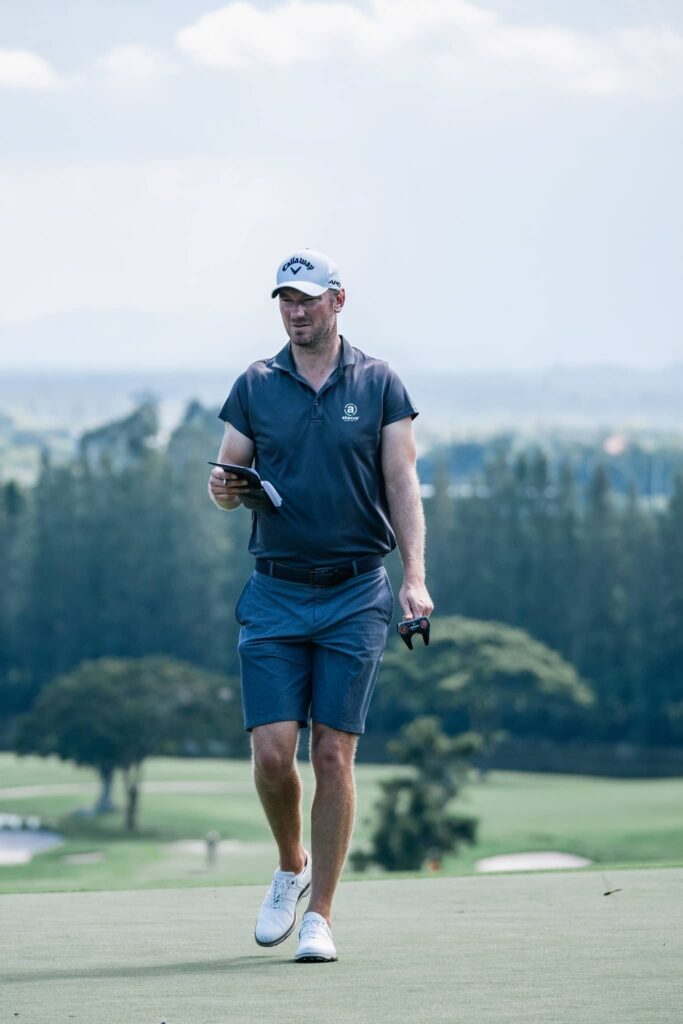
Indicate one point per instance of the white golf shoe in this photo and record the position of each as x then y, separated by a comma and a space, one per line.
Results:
315, 940
277, 916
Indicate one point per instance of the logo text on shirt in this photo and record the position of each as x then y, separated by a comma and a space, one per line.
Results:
350, 413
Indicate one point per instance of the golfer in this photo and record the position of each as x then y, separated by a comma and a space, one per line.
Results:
331, 429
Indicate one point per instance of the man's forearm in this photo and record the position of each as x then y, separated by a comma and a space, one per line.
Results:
408, 521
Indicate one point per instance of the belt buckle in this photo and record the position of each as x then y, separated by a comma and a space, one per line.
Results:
327, 575
320, 573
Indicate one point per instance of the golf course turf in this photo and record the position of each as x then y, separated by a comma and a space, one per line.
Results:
623, 823
530, 948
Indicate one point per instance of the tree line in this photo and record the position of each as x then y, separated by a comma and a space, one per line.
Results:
119, 553
596, 577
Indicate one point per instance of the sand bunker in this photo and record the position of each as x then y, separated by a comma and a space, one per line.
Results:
537, 861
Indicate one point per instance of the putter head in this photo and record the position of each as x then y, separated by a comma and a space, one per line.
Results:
409, 627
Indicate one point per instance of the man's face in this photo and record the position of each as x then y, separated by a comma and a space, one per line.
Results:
310, 322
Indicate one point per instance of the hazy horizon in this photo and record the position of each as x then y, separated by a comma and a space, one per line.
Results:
114, 342
586, 399
235, 367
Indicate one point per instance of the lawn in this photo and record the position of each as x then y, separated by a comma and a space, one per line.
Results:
612, 822
511, 949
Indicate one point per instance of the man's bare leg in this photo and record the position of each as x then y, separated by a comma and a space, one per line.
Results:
333, 811
279, 787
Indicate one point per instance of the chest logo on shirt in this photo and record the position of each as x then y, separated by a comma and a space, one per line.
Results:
350, 413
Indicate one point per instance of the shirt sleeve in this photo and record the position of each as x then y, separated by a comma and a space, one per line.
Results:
397, 401
236, 408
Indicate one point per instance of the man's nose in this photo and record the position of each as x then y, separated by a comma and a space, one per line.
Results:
297, 311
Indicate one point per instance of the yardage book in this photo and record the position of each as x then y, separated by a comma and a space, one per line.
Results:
261, 495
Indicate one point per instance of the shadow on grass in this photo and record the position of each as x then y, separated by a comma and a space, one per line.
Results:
237, 963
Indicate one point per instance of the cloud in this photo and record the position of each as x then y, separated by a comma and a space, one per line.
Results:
453, 35
134, 65
21, 69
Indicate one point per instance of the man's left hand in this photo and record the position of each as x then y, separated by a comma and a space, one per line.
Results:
414, 599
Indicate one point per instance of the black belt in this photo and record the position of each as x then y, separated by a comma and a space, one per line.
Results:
322, 576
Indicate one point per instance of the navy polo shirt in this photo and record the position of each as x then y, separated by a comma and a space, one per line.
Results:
322, 452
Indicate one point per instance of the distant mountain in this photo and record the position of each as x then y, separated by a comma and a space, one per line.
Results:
597, 397
83, 401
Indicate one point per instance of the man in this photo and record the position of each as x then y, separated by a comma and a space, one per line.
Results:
331, 429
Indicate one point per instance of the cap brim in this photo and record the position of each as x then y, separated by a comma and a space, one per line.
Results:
307, 287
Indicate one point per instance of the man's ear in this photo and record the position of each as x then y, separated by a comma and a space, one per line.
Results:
339, 300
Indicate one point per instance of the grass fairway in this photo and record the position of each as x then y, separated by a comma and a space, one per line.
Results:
611, 821
529, 949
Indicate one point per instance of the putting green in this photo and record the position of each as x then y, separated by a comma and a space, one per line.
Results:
533, 949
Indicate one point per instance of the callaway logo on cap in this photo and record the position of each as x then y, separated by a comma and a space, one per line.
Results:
309, 272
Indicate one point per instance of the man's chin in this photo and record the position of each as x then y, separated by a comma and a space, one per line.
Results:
304, 340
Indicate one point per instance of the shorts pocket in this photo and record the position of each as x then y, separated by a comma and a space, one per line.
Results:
389, 597
240, 607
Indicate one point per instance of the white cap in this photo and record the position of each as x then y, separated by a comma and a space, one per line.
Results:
309, 272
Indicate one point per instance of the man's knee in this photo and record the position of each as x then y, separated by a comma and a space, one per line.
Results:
332, 752
274, 750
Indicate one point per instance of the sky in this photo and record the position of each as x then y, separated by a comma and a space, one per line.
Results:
498, 181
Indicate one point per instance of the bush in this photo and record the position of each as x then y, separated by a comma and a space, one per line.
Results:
414, 821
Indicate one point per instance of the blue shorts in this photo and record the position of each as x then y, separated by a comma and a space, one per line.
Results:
312, 653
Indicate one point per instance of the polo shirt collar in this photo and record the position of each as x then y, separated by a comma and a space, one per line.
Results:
348, 357
285, 361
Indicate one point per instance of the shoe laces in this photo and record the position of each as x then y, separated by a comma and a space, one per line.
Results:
313, 926
279, 889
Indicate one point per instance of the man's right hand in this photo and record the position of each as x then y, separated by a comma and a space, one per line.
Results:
225, 489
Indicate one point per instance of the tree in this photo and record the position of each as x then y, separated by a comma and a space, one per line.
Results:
211, 559
642, 575
413, 817
599, 647
484, 676
113, 713
57, 599
665, 711
439, 513
15, 686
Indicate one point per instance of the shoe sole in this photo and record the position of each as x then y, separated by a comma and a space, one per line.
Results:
276, 942
309, 958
